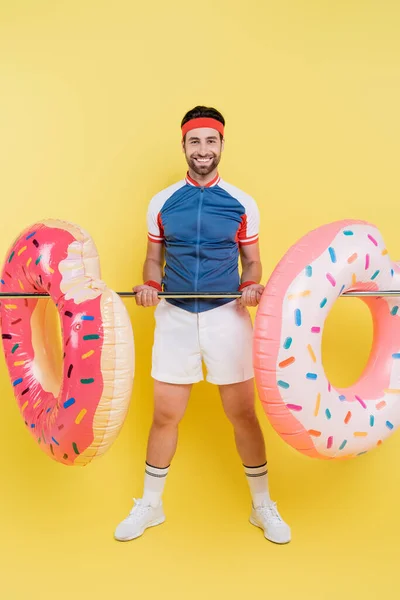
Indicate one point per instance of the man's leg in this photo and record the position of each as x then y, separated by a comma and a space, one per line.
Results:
170, 402
238, 400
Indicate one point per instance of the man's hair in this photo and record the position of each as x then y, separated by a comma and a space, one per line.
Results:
203, 112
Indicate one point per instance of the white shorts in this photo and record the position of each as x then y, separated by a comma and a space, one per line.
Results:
222, 337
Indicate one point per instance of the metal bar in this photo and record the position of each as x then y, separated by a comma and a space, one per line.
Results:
183, 295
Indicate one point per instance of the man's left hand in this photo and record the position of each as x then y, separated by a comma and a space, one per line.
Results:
251, 295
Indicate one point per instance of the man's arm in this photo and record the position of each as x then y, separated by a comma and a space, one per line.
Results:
251, 272
147, 295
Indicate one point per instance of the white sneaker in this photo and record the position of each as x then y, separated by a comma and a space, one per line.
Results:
268, 518
140, 518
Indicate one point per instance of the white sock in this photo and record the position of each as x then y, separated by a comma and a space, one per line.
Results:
257, 478
154, 482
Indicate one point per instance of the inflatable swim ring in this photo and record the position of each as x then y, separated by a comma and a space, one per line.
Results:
304, 408
74, 416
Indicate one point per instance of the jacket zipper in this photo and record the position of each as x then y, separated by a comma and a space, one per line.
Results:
196, 279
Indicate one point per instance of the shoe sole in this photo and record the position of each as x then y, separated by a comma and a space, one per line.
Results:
253, 522
141, 532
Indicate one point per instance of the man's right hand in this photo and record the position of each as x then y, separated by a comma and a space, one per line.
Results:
146, 295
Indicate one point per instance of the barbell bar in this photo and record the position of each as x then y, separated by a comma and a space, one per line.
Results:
206, 295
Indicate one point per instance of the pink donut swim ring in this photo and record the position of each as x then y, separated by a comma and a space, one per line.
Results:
309, 413
78, 417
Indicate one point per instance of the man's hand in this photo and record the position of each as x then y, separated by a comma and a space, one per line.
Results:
146, 295
251, 295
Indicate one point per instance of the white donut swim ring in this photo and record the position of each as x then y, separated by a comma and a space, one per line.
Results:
77, 416
308, 412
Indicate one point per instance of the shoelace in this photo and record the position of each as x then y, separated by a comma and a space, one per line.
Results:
270, 511
138, 511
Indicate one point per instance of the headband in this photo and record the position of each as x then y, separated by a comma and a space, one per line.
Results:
202, 122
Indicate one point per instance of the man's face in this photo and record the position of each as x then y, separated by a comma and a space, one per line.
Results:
202, 148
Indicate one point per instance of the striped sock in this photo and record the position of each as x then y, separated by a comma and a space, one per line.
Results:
154, 482
257, 478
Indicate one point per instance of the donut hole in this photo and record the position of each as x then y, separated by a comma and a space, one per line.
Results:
347, 341
47, 346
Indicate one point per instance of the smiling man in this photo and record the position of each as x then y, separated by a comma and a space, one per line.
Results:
198, 231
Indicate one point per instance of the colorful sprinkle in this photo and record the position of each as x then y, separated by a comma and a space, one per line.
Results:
396, 355
371, 420
360, 433
26, 390
24, 406
366, 261
348, 232
375, 275
392, 391
85, 381
317, 405
347, 417
68, 313
87, 318
328, 413
37, 403
11, 306
2, 281
69, 402
331, 279
373, 240
315, 329
287, 362
361, 401
343, 444
311, 353
283, 384
308, 271
55, 441
352, 258
30, 235
392, 272
17, 381
342, 398
311, 376
286, 345
80, 416
28, 262
381, 405
314, 432
389, 425
16, 322
324, 301
394, 310
329, 442
353, 279
93, 336
384, 252
297, 317
51, 448
296, 407
332, 254
19, 363
90, 353
329, 386
22, 250
21, 285
11, 256
70, 371
299, 295
75, 447
6, 336
65, 456
35, 243
14, 348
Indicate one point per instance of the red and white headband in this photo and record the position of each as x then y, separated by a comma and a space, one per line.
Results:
202, 122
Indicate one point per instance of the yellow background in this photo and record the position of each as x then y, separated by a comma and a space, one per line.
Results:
91, 97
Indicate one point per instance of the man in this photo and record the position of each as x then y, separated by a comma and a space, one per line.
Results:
199, 228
